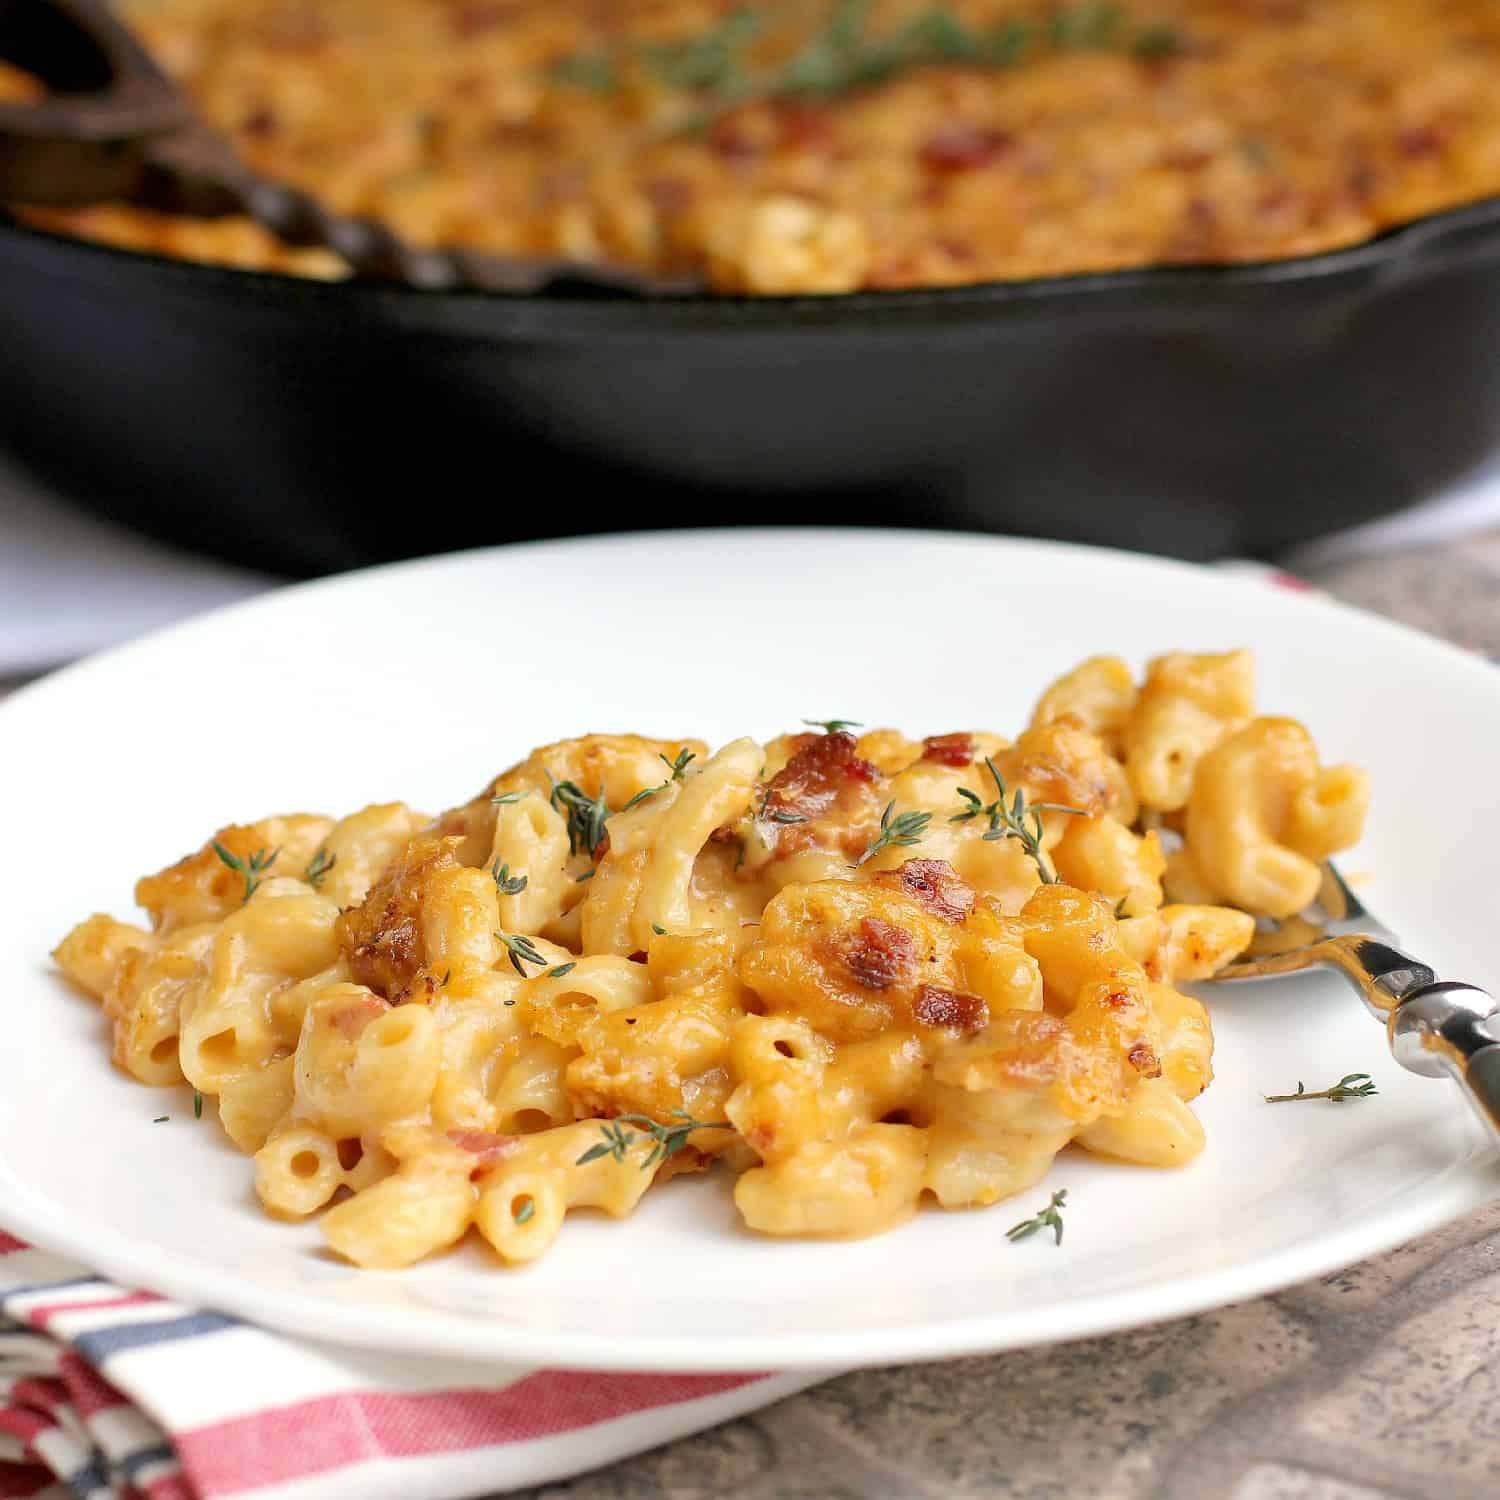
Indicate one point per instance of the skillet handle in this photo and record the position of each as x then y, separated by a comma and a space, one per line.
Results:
85, 141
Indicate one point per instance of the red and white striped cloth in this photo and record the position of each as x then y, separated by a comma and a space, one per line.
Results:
108, 1394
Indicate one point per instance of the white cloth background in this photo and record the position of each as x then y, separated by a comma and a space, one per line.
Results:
71, 583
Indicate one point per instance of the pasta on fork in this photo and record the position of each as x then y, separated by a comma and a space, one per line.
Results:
856, 970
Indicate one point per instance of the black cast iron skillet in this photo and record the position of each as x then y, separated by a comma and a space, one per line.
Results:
305, 425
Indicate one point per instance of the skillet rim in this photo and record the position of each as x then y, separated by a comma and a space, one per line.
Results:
1431, 242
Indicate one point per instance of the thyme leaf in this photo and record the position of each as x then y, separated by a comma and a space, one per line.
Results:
1350, 1086
506, 883
251, 870
1018, 819
900, 832
668, 1139
844, 51
1049, 1218
522, 951
317, 870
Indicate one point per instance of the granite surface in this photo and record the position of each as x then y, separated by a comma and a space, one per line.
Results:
1382, 1381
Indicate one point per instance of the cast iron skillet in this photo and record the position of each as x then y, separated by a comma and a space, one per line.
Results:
305, 426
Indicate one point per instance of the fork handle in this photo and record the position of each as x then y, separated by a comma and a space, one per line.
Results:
1447, 1029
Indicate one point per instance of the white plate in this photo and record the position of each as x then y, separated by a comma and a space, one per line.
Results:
422, 680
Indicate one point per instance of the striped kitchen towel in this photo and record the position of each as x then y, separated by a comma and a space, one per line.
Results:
108, 1394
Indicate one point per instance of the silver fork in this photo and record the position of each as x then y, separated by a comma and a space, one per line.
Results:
1439, 1028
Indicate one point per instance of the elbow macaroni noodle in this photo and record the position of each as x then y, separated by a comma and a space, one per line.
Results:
717, 958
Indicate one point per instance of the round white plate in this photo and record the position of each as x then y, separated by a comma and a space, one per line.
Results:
420, 681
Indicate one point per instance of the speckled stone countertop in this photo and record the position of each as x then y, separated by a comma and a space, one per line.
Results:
1382, 1381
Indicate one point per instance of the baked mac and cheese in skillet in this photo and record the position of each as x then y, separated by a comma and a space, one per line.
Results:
858, 971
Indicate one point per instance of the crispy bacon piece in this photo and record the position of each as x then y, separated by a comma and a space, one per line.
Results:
878, 954
478, 16
351, 1019
962, 148
382, 936
800, 125
484, 1145
1144, 1060
821, 767
949, 749
934, 884
949, 1008
1420, 141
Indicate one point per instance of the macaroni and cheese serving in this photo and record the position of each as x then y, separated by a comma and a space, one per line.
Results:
856, 970
828, 146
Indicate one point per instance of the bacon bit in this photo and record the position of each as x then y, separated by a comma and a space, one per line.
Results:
1186, 158
601, 848
879, 955
807, 784
669, 195
724, 834
351, 1152
481, 15
349, 1020
962, 148
1422, 140
1144, 1060
949, 749
639, 956
950, 1008
799, 124
955, 249
735, 145
933, 884
1119, 1000
484, 1144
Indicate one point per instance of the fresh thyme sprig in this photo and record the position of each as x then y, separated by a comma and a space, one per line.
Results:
251, 870
1350, 1086
560, 970
899, 832
586, 815
834, 726
844, 52
197, 1106
1020, 820
506, 883
322, 863
505, 799
669, 1139
522, 952
678, 766
1049, 1218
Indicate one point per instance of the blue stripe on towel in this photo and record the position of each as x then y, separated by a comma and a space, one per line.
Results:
102, 1343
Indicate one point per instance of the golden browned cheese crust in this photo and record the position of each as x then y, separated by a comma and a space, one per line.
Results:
382, 936
1184, 131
